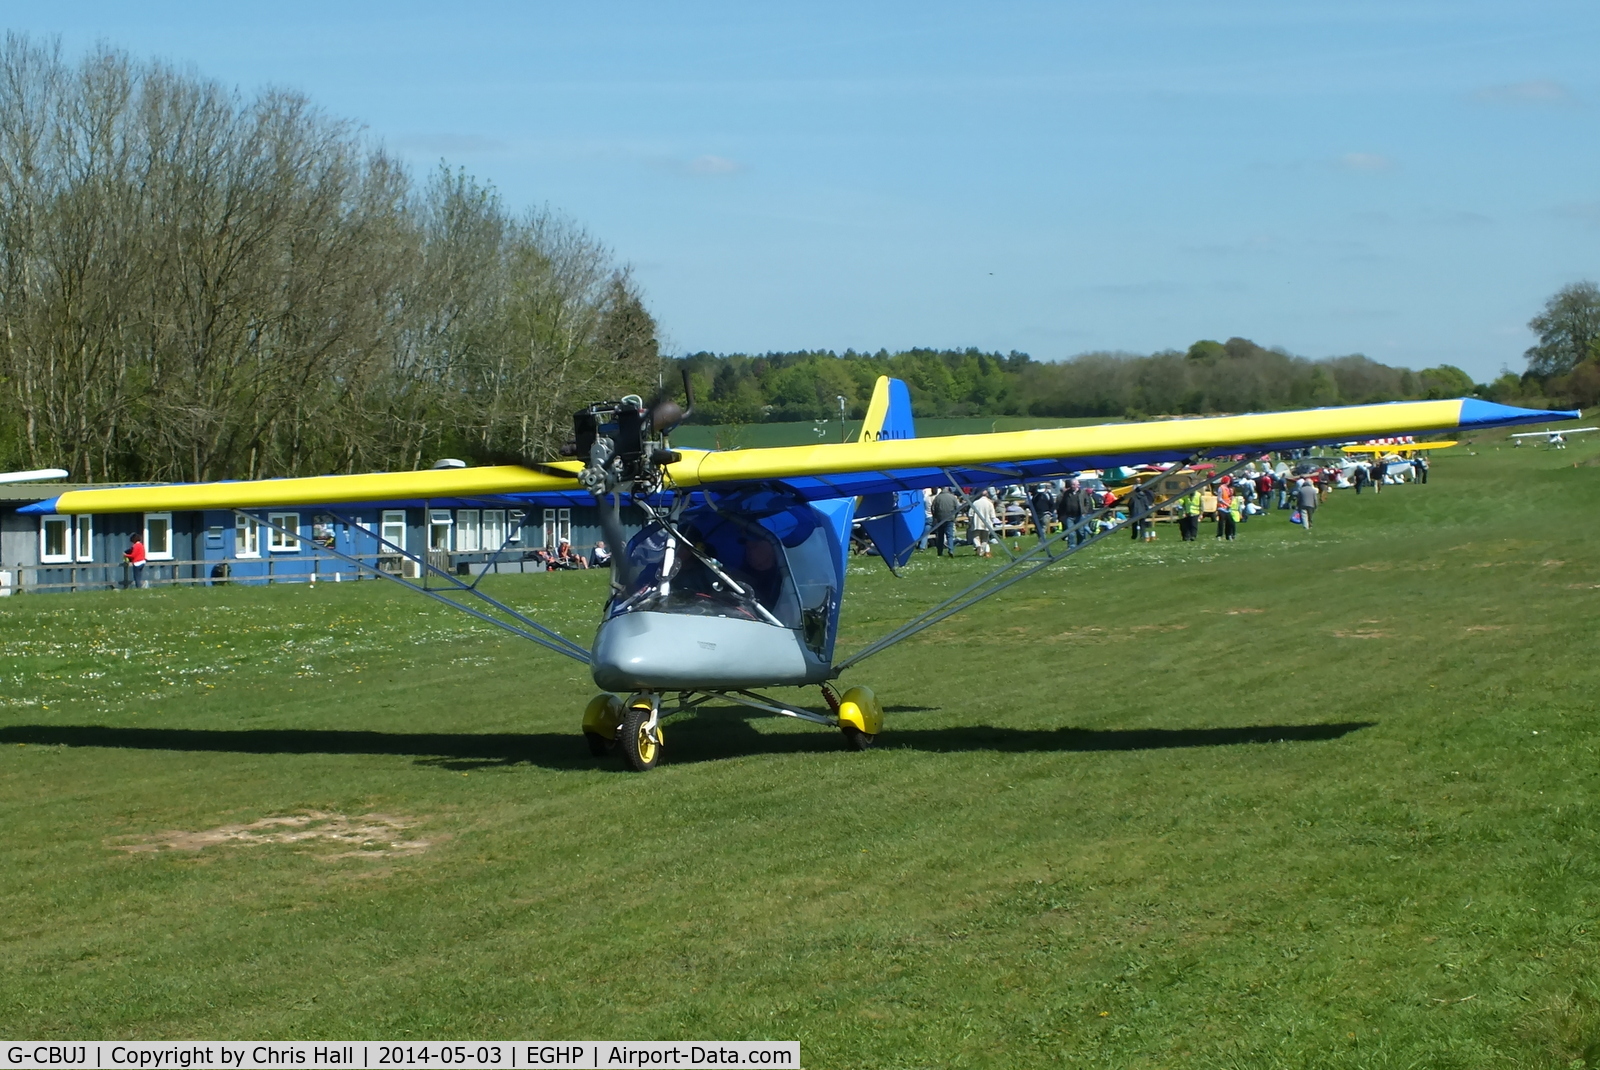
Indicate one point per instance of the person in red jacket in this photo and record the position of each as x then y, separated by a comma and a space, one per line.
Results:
134, 555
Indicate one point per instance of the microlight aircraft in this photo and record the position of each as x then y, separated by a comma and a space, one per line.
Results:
1556, 440
735, 580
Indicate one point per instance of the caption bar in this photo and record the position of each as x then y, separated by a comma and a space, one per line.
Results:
368, 1055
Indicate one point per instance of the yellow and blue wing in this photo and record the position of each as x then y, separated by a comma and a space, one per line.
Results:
849, 469
433, 485
844, 470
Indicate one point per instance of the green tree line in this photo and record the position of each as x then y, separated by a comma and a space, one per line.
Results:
1564, 365
197, 284
1232, 376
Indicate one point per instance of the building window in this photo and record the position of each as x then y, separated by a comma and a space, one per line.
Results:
557, 527
246, 536
55, 539
439, 529
467, 539
83, 543
322, 531
158, 536
393, 531
494, 529
284, 535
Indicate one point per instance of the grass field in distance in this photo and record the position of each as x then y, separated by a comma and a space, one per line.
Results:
1299, 801
810, 433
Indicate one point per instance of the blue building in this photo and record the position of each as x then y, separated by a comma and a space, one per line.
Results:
292, 544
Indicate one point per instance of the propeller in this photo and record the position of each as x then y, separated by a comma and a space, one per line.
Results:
665, 413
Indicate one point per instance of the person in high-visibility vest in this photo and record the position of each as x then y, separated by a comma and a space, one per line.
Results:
1228, 517
1189, 516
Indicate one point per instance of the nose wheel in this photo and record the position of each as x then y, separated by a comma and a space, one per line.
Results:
632, 728
639, 738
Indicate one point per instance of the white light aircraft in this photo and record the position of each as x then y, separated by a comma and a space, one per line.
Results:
1556, 440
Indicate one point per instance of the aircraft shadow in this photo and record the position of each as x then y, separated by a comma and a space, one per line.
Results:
696, 739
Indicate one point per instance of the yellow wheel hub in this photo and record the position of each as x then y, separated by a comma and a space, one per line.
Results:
647, 746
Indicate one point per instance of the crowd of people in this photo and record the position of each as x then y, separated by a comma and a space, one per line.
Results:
565, 557
1085, 507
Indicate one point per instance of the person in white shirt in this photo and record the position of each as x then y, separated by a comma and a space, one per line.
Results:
982, 523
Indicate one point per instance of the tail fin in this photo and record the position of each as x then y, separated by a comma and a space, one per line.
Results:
889, 412
894, 520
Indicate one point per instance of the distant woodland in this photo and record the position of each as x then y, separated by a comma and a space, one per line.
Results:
198, 284
1232, 376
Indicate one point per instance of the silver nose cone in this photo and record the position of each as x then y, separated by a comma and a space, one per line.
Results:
654, 651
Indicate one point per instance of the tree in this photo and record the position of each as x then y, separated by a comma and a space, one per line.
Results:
1568, 330
195, 285
1445, 381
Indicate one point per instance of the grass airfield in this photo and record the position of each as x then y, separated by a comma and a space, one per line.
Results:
1300, 801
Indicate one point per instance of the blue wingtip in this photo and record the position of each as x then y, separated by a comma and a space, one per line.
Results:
44, 508
1477, 413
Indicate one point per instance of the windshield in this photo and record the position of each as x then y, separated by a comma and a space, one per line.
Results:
731, 570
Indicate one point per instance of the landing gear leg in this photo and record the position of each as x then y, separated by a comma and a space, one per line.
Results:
639, 736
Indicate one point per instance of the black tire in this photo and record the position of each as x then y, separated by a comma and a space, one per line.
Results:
640, 754
599, 746
856, 739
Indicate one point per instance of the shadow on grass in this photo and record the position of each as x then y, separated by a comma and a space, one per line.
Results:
707, 737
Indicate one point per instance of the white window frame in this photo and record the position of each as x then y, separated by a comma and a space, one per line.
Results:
246, 537
150, 552
494, 520
286, 541
83, 537
557, 528
440, 518
391, 522
64, 525
469, 533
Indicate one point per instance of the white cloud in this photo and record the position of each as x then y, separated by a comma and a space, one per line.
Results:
1538, 93
1583, 212
713, 165
1365, 161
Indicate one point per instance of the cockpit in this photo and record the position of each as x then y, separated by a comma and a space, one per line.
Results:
774, 565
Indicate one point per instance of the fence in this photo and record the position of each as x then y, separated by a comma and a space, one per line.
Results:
302, 568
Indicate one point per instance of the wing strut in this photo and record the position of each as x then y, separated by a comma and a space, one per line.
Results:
533, 630
1022, 566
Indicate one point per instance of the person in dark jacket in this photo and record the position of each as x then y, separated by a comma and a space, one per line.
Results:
1073, 505
945, 507
1139, 504
1043, 504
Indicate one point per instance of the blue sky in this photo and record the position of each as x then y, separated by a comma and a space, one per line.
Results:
1407, 180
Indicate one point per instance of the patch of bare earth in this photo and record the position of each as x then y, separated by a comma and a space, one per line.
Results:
366, 836
1364, 630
